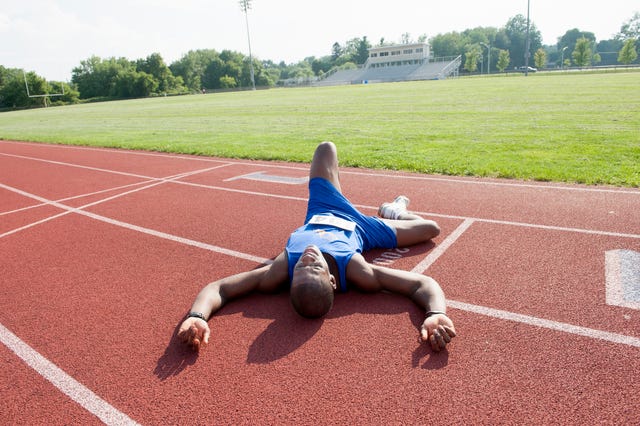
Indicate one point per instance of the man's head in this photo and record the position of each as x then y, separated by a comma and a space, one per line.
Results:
312, 286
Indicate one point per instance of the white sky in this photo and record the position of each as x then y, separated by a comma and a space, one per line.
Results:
51, 37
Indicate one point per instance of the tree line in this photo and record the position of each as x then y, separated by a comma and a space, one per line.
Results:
202, 70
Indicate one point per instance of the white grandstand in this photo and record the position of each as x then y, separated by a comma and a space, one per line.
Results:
404, 62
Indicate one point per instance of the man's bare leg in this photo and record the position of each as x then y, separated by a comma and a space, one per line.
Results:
410, 228
325, 164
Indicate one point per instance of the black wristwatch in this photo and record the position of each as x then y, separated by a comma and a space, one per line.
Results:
196, 315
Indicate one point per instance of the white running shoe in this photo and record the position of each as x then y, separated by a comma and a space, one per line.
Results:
394, 209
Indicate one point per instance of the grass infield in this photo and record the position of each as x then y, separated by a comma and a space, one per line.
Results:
568, 127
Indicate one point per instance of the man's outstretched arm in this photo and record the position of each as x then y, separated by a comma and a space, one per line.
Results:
437, 328
195, 330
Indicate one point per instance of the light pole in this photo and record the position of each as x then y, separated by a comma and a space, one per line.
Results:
526, 53
245, 5
488, 56
562, 60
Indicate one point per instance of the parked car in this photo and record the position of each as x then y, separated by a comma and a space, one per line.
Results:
524, 69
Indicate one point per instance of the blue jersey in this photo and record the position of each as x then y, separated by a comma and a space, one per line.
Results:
351, 233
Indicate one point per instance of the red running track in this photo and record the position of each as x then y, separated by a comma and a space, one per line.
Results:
103, 251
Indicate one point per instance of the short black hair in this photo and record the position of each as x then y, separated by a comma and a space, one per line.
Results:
312, 299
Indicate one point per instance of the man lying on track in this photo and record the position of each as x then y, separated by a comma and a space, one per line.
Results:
324, 256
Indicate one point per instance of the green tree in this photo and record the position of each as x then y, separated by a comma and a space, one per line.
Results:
356, 50
630, 29
582, 52
212, 77
472, 56
449, 44
13, 91
628, 53
516, 32
70, 96
570, 38
362, 51
227, 82
503, 60
155, 66
540, 58
192, 67
336, 51
130, 83
609, 50
321, 66
98, 78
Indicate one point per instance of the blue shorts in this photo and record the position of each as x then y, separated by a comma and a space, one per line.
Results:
325, 198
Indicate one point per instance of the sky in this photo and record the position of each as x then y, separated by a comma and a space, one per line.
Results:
51, 37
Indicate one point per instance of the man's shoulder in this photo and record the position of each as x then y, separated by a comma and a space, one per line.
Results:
277, 274
360, 273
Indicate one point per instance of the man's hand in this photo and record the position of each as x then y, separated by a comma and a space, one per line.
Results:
194, 332
438, 330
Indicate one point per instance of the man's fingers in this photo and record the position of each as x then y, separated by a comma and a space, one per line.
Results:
450, 331
424, 335
205, 339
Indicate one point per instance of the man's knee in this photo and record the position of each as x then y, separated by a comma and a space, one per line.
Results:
325, 163
432, 229
326, 151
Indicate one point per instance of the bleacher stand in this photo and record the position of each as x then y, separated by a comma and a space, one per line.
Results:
405, 62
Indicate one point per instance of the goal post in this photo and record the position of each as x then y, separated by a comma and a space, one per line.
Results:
45, 95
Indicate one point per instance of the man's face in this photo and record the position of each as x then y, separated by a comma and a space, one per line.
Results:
311, 267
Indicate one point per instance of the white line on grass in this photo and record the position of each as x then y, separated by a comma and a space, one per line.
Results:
67, 384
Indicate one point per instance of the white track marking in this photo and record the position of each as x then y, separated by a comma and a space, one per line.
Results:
164, 235
97, 169
352, 172
622, 273
75, 197
108, 414
564, 327
430, 214
45, 201
544, 323
78, 166
421, 267
560, 228
67, 384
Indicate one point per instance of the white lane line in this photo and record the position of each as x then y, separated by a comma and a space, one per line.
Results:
61, 163
44, 201
545, 323
622, 273
499, 222
427, 214
159, 234
421, 267
529, 320
67, 384
560, 228
97, 169
505, 183
75, 197
480, 181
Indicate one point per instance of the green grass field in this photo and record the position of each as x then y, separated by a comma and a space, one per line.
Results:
552, 127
